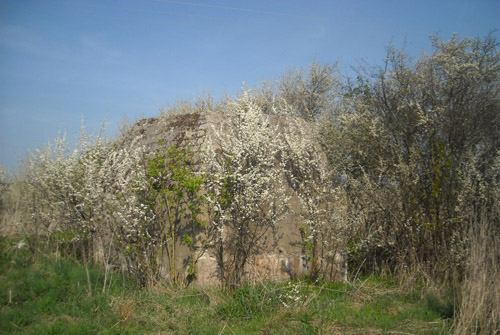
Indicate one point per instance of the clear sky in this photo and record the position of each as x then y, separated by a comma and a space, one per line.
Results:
61, 60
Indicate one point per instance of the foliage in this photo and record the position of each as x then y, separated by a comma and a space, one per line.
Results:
56, 295
411, 140
172, 195
61, 189
308, 94
151, 195
322, 201
245, 192
52, 295
412, 172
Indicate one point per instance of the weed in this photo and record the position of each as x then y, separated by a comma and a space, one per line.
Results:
51, 296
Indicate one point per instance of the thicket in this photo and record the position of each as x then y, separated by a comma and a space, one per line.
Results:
411, 185
418, 143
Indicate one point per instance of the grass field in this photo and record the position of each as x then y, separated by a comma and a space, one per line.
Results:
51, 295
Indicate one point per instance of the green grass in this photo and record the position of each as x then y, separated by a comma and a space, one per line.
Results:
53, 296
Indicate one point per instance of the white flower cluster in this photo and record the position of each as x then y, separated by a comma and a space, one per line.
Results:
247, 193
292, 296
259, 162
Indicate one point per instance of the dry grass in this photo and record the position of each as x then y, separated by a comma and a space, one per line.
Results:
125, 309
480, 291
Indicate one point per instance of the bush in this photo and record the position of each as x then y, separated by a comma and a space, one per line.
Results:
415, 144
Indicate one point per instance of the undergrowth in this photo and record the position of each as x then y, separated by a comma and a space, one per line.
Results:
54, 295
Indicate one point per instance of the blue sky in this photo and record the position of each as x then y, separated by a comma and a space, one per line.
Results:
61, 60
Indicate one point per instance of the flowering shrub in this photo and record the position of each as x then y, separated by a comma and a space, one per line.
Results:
407, 141
263, 161
246, 195
323, 228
